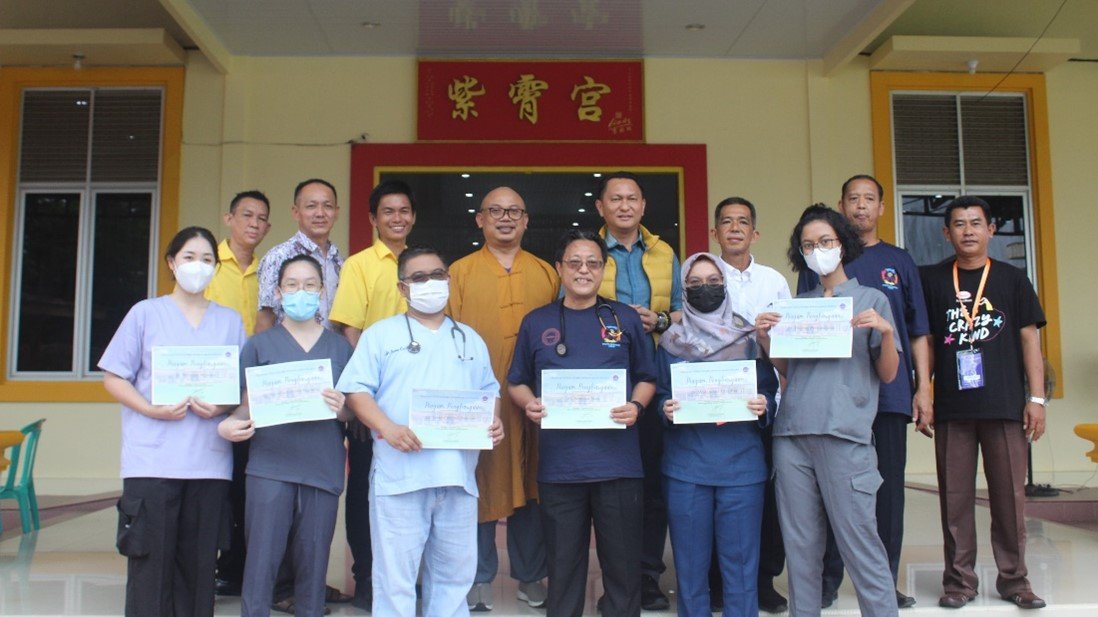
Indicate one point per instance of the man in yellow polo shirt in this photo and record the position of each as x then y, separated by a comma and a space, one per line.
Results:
236, 286
368, 293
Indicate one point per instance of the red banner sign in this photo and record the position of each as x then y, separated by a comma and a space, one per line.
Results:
531, 101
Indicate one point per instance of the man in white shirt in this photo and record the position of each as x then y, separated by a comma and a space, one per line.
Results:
751, 288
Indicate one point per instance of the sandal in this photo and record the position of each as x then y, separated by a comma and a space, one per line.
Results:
335, 596
287, 606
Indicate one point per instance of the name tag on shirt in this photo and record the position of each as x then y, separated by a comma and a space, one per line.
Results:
970, 369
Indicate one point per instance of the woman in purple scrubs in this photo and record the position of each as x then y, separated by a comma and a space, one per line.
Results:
175, 467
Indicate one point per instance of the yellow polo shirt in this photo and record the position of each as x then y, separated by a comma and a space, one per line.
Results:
368, 288
235, 289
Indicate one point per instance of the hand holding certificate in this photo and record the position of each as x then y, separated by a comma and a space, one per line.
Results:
582, 398
289, 392
812, 328
210, 373
710, 392
452, 419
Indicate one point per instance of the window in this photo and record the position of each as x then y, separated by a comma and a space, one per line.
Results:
962, 143
84, 240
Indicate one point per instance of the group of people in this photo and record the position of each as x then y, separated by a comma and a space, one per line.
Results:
815, 482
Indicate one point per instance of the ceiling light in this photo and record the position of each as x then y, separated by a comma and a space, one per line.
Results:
582, 210
476, 244
472, 211
464, 175
575, 224
468, 194
370, 25
597, 175
77, 62
695, 27
588, 194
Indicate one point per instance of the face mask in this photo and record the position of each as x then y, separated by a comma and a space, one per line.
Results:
706, 298
428, 297
824, 261
193, 276
301, 305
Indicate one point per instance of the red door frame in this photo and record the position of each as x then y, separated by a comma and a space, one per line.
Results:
368, 161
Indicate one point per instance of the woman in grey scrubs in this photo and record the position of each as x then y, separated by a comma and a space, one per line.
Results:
824, 462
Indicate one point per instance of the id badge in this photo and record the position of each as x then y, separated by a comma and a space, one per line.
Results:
970, 369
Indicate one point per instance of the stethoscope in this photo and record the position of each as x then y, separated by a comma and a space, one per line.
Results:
615, 335
414, 346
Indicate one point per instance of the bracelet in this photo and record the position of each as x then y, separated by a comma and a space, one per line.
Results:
640, 408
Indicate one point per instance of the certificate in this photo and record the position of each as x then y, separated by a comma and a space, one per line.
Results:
210, 373
713, 391
452, 419
582, 398
289, 392
813, 328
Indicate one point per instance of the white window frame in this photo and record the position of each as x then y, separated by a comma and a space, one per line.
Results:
83, 369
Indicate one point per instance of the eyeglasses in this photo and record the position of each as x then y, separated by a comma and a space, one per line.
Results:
696, 283
514, 212
824, 243
423, 277
293, 286
592, 264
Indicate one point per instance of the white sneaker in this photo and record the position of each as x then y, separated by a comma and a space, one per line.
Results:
533, 594
479, 597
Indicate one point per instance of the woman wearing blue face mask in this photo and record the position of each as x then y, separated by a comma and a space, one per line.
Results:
295, 471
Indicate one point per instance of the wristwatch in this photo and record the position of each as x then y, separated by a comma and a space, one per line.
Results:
1043, 402
663, 321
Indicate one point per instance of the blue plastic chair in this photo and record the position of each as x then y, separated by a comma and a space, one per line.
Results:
20, 486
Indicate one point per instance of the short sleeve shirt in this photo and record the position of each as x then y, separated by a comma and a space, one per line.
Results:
383, 367
368, 288
837, 396
892, 270
331, 262
182, 449
234, 288
584, 455
1009, 304
309, 453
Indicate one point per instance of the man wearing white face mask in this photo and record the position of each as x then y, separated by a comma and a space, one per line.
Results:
423, 502
892, 270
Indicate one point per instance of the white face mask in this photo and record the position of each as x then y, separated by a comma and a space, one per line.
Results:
824, 261
193, 276
428, 297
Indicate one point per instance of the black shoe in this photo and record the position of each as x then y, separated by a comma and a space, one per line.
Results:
364, 597
226, 588
652, 599
716, 604
903, 601
771, 601
828, 598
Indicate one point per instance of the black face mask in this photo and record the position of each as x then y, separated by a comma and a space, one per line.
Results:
706, 298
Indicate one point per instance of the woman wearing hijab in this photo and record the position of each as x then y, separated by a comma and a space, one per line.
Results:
714, 474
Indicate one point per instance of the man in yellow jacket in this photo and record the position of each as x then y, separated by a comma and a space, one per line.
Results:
642, 271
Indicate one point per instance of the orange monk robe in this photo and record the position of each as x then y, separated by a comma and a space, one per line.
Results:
493, 301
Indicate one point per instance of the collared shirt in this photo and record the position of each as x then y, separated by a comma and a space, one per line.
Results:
754, 288
300, 244
235, 289
632, 283
368, 288
183, 449
837, 396
383, 367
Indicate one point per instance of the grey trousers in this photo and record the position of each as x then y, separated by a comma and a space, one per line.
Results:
525, 547
281, 517
819, 477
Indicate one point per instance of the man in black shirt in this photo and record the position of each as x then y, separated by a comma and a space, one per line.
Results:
984, 316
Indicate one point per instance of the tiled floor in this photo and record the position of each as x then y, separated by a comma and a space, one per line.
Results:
72, 569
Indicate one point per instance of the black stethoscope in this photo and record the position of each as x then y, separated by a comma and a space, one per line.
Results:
614, 336
414, 346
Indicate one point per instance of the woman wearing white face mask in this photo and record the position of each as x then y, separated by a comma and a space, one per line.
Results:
175, 467
825, 464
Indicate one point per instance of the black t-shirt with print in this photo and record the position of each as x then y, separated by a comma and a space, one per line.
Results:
1009, 304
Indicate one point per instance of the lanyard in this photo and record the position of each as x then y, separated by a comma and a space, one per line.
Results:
971, 318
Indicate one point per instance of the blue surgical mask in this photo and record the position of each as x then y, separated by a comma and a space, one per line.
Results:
301, 305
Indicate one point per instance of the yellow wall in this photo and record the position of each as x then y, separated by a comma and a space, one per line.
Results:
777, 132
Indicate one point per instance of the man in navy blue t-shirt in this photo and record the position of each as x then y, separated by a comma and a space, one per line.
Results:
893, 271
